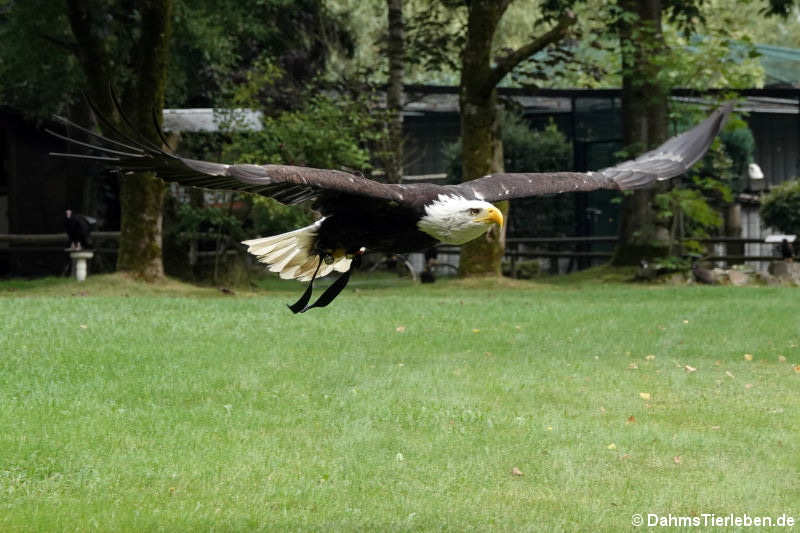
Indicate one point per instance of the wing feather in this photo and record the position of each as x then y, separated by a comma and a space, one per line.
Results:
294, 184
288, 184
671, 159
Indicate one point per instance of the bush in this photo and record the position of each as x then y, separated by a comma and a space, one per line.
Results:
523, 270
781, 208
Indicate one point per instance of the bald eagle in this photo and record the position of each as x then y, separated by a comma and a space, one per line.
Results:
359, 214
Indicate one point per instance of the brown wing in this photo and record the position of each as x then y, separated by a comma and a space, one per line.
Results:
671, 159
286, 183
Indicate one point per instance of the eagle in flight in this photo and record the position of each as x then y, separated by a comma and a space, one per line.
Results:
359, 214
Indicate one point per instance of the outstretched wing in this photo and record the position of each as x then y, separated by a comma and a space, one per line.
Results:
286, 183
671, 159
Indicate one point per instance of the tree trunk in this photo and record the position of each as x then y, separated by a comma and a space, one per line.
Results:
480, 129
141, 195
480, 120
394, 91
644, 118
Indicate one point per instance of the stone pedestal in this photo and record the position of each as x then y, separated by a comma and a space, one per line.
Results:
80, 260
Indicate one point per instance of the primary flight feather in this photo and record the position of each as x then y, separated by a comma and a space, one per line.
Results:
361, 214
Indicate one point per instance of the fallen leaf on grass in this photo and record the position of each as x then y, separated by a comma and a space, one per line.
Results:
644, 395
650, 357
748, 385
631, 420
748, 357
797, 368
612, 446
400, 329
84, 326
685, 321
729, 374
516, 472
689, 368
715, 427
677, 459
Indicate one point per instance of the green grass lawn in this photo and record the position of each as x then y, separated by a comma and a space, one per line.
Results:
398, 408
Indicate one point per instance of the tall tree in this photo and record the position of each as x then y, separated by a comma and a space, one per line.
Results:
645, 92
142, 194
394, 93
480, 123
644, 120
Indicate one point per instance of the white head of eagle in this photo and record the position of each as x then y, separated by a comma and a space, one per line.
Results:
456, 220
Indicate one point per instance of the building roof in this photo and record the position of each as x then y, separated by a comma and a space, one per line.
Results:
781, 64
209, 120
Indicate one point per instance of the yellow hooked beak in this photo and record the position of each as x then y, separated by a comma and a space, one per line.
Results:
493, 215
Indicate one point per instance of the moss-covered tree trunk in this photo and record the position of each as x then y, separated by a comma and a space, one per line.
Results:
394, 92
141, 195
644, 118
480, 128
480, 121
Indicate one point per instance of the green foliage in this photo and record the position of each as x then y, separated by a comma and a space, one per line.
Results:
35, 49
710, 60
193, 220
270, 217
523, 269
740, 145
545, 150
692, 209
214, 44
527, 150
780, 208
259, 216
322, 133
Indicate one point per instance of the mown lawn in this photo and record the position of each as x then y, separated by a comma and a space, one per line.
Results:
400, 408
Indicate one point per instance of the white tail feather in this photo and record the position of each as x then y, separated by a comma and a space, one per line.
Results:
291, 255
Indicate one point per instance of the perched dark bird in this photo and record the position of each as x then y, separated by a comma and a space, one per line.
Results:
79, 230
787, 251
359, 214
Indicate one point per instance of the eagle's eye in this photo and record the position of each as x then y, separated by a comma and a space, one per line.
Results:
474, 211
